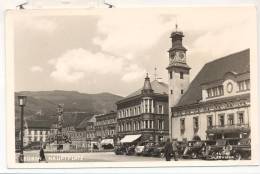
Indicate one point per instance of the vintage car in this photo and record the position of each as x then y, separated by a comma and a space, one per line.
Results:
148, 149
130, 150
158, 150
198, 149
243, 149
120, 149
191, 149
224, 148
139, 149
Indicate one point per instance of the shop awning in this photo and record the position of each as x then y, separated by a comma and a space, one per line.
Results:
228, 130
130, 138
107, 141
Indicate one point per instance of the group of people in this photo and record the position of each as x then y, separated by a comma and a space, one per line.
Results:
171, 150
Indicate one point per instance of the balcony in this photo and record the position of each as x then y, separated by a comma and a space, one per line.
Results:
228, 128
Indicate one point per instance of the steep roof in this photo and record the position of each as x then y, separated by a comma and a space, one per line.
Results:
40, 124
213, 71
158, 88
83, 124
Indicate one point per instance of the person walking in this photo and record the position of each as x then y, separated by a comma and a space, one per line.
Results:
42, 155
175, 149
168, 150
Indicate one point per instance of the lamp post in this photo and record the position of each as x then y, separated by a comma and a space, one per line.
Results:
22, 103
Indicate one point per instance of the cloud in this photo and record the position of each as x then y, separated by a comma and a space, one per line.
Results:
128, 34
75, 64
36, 69
133, 73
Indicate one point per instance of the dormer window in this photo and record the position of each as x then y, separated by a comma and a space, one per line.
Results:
215, 91
244, 85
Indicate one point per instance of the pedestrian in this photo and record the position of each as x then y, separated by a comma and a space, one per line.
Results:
168, 150
175, 149
42, 156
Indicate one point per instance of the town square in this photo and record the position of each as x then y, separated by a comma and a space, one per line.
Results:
133, 86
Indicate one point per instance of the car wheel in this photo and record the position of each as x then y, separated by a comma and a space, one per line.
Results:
214, 155
193, 155
237, 156
162, 155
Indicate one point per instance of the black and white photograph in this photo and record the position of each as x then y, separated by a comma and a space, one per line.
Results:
132, 87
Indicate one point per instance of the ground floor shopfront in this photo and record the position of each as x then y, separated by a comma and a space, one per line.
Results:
145, 136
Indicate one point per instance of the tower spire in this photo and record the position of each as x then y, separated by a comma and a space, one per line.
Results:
147, 88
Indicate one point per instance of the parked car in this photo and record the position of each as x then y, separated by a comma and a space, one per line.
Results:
130, 150
158, 150
224, 148
139, 148
148, 149
243, 149
120, 150
189, 150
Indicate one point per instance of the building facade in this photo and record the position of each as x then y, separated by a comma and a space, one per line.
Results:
216, 105
36, 131
105, 127
144, 112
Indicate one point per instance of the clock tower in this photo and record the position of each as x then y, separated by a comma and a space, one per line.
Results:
178, 72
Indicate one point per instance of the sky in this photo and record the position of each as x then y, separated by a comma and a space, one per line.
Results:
111, 50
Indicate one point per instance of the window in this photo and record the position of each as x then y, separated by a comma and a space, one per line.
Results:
160, 109
181, 75
146, 108
195, 123
170, 74
215, 91
150, 106
209, 93
221, 90
130, 112
146, 124
182, 91
241, 118
231, 119
210, 121
171, 91
244, 85
182, 121
160, 124
247, 84
151, 124
221, 120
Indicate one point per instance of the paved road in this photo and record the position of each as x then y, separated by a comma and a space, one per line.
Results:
33, 156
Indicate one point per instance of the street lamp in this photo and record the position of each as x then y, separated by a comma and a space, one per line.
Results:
21, 103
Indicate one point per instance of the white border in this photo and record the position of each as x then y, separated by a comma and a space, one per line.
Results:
10, 119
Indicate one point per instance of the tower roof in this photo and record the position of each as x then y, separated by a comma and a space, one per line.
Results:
147, 88
158, 88
177, 40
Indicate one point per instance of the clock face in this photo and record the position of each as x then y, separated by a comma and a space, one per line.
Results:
182, 55
229, 87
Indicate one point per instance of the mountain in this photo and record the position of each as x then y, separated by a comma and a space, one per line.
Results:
44, 103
